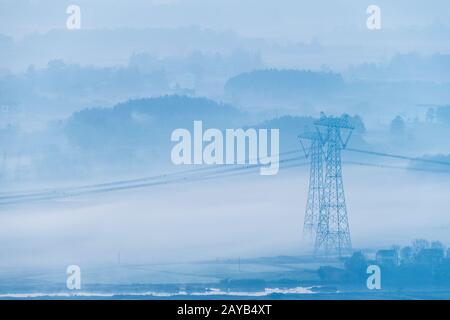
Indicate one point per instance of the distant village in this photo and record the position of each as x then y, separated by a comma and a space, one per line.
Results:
422, 263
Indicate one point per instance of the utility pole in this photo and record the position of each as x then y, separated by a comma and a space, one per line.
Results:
333, 232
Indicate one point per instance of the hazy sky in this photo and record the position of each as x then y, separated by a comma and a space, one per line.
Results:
276, 29
285, 19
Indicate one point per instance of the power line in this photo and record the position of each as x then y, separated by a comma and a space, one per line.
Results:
383, 166
136, 183
43, 192
191, 175
397, 156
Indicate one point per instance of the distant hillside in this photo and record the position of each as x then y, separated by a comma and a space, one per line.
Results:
272, 80
264, 86
406, 67
146, 125
145, 122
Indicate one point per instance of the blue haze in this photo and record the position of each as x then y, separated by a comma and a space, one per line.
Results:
98, 104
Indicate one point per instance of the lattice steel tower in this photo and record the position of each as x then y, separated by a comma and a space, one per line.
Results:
333, 232
312, 147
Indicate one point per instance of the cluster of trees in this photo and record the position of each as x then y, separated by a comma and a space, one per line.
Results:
143, 124
69, 86
439, 115
411, 268
408, 254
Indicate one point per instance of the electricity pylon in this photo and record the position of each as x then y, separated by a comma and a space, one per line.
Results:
315, 153
333, 232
